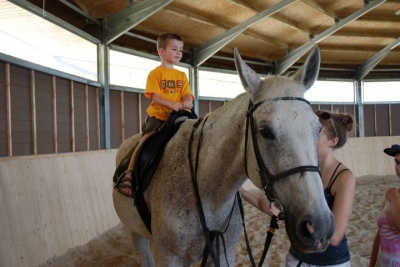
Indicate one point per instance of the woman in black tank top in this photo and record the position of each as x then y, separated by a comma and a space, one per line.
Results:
339, 188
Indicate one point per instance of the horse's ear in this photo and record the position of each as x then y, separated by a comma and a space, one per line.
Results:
308, 73
250, 80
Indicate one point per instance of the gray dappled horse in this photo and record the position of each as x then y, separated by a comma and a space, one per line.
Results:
286, 132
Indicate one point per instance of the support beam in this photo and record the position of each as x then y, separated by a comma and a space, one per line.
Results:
122, 22
287, 61
53, 19
194, 84
103, 63
80, 12
209, 48
368, 65
360, 109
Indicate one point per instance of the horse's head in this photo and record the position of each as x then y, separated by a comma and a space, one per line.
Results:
282, 151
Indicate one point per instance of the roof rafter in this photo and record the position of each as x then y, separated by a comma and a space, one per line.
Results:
223, 25
368, 65
122, 22
285, 63
206, 50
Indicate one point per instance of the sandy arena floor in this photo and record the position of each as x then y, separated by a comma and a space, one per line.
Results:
113, 248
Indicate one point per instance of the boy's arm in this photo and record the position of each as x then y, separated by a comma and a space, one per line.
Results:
167, 103
187, 101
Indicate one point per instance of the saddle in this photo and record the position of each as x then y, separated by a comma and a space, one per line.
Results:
148, 158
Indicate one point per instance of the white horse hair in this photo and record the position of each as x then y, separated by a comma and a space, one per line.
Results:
286, 132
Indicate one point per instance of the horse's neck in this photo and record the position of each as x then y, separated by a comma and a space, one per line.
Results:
222, 149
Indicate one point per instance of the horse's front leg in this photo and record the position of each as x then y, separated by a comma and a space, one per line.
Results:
143, 246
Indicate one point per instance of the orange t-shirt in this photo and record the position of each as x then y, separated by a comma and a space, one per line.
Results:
170, 84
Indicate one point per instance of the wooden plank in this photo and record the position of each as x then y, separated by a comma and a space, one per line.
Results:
54, 111
72, 115
8, 111
104, 187
84, 191
95, 197
23, 211
370, 154
33, 112
51, 206
69, 183
8, 255
87, 135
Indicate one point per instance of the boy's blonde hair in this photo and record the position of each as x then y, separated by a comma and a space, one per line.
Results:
163, 39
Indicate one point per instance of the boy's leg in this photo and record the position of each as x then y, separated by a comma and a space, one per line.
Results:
125, 190
124, 183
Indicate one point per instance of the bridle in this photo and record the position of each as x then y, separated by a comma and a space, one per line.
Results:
267, 179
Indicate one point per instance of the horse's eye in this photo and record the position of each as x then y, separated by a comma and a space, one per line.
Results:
267, 134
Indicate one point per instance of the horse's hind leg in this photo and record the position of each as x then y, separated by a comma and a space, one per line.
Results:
143, 246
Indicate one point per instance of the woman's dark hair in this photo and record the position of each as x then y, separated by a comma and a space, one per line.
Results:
336, 125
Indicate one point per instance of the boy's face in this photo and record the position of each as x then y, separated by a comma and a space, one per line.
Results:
173, 51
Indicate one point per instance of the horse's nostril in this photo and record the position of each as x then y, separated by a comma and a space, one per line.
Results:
310, 228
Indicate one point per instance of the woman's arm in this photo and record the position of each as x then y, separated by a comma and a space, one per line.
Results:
260, 203
343, 191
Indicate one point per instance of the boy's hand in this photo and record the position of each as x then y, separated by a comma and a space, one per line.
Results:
176, 106
187, 104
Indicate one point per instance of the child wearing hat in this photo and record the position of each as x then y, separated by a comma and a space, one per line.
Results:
386, 246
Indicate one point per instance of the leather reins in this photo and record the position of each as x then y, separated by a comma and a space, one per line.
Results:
209, 235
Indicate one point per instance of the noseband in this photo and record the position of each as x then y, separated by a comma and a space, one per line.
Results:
267, 179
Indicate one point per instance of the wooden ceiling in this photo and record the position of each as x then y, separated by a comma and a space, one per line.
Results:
357, 39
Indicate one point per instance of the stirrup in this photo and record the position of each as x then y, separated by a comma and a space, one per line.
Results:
120, 183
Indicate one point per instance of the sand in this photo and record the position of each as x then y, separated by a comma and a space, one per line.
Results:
113, 248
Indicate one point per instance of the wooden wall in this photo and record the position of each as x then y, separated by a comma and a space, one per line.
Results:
41, 113
365, 156
51, 203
